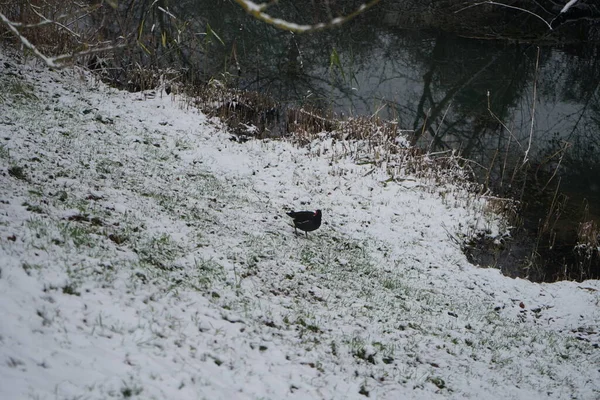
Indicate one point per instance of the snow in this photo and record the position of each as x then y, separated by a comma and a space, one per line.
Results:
145, 255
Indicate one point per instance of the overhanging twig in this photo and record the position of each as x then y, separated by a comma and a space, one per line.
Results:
257, 11
507, 6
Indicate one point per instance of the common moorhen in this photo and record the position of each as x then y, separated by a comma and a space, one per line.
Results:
306, 221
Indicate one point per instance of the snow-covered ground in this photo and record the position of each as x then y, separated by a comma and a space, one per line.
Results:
145, 255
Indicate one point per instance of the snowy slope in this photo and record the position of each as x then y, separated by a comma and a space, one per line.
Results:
145, 255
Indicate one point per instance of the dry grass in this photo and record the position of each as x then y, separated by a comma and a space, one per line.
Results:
246, 113
588, 234
588, 246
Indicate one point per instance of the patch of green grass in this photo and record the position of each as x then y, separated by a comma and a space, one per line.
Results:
387, 351
70, 289
41, 232
128, 391
19, 90
336, 254
78, 234
205, 183
45, 231
17, 172
33, 208
357, 345
311, 327
62, 195
437, 381
183, 144
4, 153
36, 193
118, 238
363, 390
158, 251
391, 284
206, 273
28, 268
364, 355
108, 167
334, 348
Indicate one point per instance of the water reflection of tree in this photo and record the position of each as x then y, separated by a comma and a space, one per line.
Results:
453, 108
580, 86
577, 83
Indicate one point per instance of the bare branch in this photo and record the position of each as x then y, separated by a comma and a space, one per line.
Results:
57, 61
36, 25
537, 62
167, 12
95, 50
46, 20
49, 62
500, 121
507, 6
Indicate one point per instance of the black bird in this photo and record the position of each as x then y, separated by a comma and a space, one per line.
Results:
306, 221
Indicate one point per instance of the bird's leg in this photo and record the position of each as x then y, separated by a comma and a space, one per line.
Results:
306, 233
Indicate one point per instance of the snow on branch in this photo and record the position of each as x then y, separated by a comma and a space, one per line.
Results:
49, 62
258, 12
568, 5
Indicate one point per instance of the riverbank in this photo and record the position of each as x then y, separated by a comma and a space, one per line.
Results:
144, 254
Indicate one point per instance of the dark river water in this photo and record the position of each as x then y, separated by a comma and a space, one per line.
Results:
527, 116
